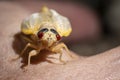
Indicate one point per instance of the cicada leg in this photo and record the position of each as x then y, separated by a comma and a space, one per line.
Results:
58, 49
27, 46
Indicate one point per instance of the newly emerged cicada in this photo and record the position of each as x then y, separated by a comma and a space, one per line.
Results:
45, 29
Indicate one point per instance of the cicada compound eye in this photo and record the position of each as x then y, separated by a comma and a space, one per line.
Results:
40, 35
55, 32
58, 37
41, 32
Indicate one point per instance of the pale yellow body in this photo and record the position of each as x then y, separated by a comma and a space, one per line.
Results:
46, 21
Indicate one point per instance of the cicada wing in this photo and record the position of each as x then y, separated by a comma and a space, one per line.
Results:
31, 24
62, 23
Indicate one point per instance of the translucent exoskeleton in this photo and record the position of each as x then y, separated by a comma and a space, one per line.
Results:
45, 29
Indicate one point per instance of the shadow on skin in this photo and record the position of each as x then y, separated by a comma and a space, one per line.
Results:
19, 44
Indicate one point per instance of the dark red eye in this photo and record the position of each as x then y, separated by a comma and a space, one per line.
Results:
58, 37
40, 35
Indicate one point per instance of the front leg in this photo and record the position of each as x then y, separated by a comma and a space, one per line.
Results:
27, 46
31, 53
58, 49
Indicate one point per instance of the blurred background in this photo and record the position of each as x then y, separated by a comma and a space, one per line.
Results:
95, 23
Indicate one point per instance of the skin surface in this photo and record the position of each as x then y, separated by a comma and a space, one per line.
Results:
104, 66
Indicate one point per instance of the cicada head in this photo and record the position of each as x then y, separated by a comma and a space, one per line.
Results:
48, 34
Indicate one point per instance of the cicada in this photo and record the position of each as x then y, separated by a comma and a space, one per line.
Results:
45, 30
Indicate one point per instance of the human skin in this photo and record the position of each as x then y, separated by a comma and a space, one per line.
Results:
104, 66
